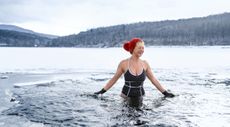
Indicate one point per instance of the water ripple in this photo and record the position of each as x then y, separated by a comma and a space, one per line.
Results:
71, 102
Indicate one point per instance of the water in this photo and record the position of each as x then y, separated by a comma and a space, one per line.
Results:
43, 87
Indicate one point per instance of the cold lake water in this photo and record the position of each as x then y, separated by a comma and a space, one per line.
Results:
53, 87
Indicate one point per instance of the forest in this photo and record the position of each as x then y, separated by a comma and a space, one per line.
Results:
200, 31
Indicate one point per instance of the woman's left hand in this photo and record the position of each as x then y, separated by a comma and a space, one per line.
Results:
167, 94
100, 92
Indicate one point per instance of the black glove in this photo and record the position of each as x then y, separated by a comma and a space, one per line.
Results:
167, 94
101, 91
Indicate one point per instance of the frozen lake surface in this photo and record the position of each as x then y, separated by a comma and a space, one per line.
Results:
46, 87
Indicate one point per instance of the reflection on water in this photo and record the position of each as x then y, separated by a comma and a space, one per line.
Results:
202, 96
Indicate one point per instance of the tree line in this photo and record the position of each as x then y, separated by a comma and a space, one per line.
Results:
210, 30
10, 38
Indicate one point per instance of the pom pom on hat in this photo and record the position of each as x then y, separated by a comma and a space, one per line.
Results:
126, 46
130, 45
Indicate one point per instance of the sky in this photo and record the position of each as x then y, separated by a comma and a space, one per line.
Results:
65, 17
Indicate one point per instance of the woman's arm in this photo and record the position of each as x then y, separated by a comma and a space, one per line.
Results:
113, 80
156, 83
152, 78
116, 76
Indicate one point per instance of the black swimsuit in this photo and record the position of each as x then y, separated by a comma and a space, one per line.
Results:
134, 84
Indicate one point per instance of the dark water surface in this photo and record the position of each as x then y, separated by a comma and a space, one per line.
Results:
67, 100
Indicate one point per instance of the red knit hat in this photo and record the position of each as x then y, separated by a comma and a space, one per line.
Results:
130, 45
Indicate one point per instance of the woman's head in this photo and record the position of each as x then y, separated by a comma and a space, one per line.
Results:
132, 44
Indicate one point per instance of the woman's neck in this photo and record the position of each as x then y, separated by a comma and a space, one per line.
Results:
134, 58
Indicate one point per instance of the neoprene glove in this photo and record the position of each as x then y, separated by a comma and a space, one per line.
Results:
101, 91
167, 94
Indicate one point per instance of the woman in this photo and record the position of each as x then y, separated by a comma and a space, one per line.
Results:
135, 71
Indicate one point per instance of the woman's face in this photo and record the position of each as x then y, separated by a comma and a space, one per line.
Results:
139, 49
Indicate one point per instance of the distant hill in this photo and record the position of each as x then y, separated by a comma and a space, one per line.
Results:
11, 38
210, 30
19, 29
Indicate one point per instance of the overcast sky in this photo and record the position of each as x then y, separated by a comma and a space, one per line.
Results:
64, 17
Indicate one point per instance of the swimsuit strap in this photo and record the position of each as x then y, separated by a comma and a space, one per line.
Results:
142, 65
129, 63
129, 66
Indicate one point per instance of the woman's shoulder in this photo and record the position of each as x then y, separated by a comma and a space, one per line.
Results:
123, 65
124, 61
145, 64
